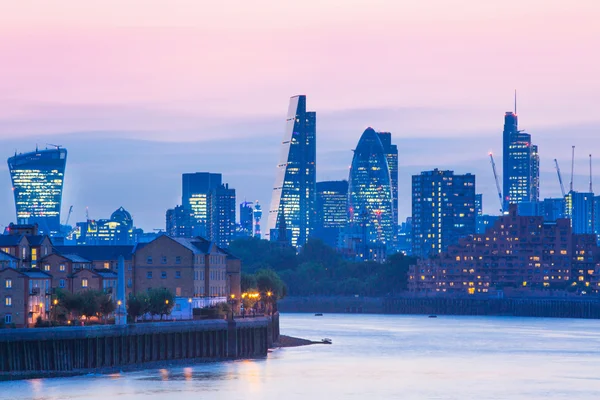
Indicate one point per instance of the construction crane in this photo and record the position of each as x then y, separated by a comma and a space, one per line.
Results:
69, 215
572, 166
497, 183
562, 187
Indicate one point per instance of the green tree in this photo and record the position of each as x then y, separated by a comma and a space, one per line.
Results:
247, 282
267, 280
137, 305
106, 305
161, 302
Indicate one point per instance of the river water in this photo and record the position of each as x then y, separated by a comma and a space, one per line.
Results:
374, 357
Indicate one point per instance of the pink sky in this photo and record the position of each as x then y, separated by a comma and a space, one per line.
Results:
200, 58
199, 70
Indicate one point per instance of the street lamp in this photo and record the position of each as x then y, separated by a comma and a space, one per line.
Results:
191, 310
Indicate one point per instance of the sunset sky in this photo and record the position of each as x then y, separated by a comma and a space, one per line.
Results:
140, 91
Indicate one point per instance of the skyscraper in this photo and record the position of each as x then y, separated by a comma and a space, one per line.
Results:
257, 218
194, 196
332, 210
391, 154
443, 210
221, 215
579, 208
370, 204
294, 189
520, 163
180, 222
37, 181
246, 218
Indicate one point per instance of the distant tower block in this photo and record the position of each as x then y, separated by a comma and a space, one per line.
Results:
257, 217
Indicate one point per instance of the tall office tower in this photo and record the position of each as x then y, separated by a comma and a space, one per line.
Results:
370, 206
180, 222
332, 211
194, 196
443, 210
294, 189
391, 154
520, 163
221, 215
579, 208
246, 218
37, 182
257, 218
479, 204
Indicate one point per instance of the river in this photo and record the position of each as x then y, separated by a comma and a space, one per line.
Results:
374, 357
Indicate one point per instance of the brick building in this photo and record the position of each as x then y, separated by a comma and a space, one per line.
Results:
25, 244
517, 252
25, 295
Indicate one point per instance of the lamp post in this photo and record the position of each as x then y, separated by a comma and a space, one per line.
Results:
231, 302
191, 310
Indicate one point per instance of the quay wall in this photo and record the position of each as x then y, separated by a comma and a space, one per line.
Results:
521, 307
38, 352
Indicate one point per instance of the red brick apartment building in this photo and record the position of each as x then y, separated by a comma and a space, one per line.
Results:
517, 252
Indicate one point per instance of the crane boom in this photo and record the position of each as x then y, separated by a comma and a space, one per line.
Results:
562, 187
69, 215
497, 183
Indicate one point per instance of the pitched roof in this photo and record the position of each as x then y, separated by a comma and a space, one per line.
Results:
35, 273
92, 253
106, 273
10, 240
7, 257
75, 258
36, 240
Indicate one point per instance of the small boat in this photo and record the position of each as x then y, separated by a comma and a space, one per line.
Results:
318, 315
433, 316
326, 341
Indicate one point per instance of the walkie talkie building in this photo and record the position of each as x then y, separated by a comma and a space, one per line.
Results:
37, 184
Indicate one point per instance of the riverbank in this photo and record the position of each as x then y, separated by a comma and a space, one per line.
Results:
290, 341
582, 307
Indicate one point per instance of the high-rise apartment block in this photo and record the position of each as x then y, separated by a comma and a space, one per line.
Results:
295, 181
37, 181
443, 210
246, 219
180, 222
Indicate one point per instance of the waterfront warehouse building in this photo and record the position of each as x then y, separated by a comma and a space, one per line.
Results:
520, 164
332, 211
295, 180
370, 205
37, 184
443, 210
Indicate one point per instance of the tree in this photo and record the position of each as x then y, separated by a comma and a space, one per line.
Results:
106, 305
161, 302
267, 280
247, 282
137, 305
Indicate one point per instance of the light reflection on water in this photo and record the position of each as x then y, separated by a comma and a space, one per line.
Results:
373, 357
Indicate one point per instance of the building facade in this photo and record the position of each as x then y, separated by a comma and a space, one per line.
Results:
295, 182
196, 188
517, 252
370, 203
246, 219
221, 215
117, 230
37, 181
579, 208
391, 154
332, 211
180, 222
443, 210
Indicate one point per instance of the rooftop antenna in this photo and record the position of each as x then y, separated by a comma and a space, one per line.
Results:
591, 191
572, 165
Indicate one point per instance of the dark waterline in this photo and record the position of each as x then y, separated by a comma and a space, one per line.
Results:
374, 357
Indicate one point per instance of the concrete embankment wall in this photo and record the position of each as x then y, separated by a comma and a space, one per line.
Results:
557, 308
49, 351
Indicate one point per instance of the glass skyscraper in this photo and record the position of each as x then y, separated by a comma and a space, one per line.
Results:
370, 203
37, 183
391, 154
196, 187
520, 164
295, 181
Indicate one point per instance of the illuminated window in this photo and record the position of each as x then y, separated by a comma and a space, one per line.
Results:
34, 254
8, 301
61, 268
106, 265
84, 283
8, 284
47, 267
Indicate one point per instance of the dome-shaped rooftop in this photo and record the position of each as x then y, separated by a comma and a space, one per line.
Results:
122, 216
